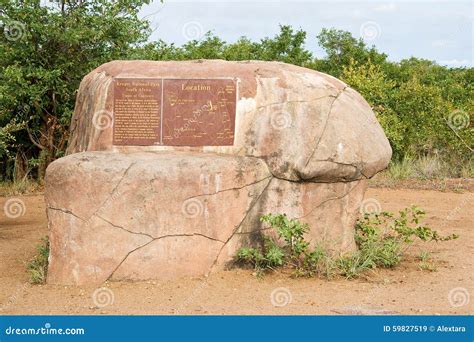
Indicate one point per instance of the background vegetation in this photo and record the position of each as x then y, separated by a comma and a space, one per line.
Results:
46, 47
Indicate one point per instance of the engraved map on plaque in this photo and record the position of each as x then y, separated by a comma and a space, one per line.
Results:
198, 112
137, 111
174, 112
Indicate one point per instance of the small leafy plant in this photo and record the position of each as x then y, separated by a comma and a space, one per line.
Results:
38, 266
289, 250
382, 240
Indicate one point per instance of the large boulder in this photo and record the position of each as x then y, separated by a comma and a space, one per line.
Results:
304, 144
145, 215
306, 125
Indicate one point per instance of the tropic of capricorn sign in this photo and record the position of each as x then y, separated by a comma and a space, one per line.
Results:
174, 112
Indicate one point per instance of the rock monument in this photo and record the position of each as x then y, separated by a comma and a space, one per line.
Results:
171, 164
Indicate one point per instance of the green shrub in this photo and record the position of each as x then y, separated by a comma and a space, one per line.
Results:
289, 250
38, 266
381, 238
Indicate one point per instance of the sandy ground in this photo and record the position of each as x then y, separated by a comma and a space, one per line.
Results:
405, 290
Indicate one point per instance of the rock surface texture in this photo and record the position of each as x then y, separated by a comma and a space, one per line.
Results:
305, 144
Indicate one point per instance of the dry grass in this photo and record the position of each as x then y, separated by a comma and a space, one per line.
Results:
429, 173
23, 187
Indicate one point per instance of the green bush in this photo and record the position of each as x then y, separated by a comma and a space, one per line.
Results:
57, 42
381, 238
38, 266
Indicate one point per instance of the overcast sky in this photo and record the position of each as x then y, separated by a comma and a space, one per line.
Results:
438, 30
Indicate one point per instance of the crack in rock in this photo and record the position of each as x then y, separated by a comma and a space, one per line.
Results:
291, 101
325, 126
230, 189
161, 236
300, 180
329, 160
355, 166
113, 190
153, 240
125, 258
238, 226
66, 211
125, 229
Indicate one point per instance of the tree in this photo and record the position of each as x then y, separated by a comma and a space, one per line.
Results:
372, 83
45, 51
341, 47
286, 47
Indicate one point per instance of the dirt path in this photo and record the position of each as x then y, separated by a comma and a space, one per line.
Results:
406, 289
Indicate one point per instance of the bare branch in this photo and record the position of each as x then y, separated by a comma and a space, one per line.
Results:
33, 140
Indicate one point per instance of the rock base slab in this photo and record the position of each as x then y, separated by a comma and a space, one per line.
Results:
163, 215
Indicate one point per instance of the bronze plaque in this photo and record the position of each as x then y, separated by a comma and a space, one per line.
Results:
198, 112
137, 111
174, 112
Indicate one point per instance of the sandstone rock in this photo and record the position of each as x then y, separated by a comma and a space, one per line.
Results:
305, 144
171, 214
305, 124
330, 209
